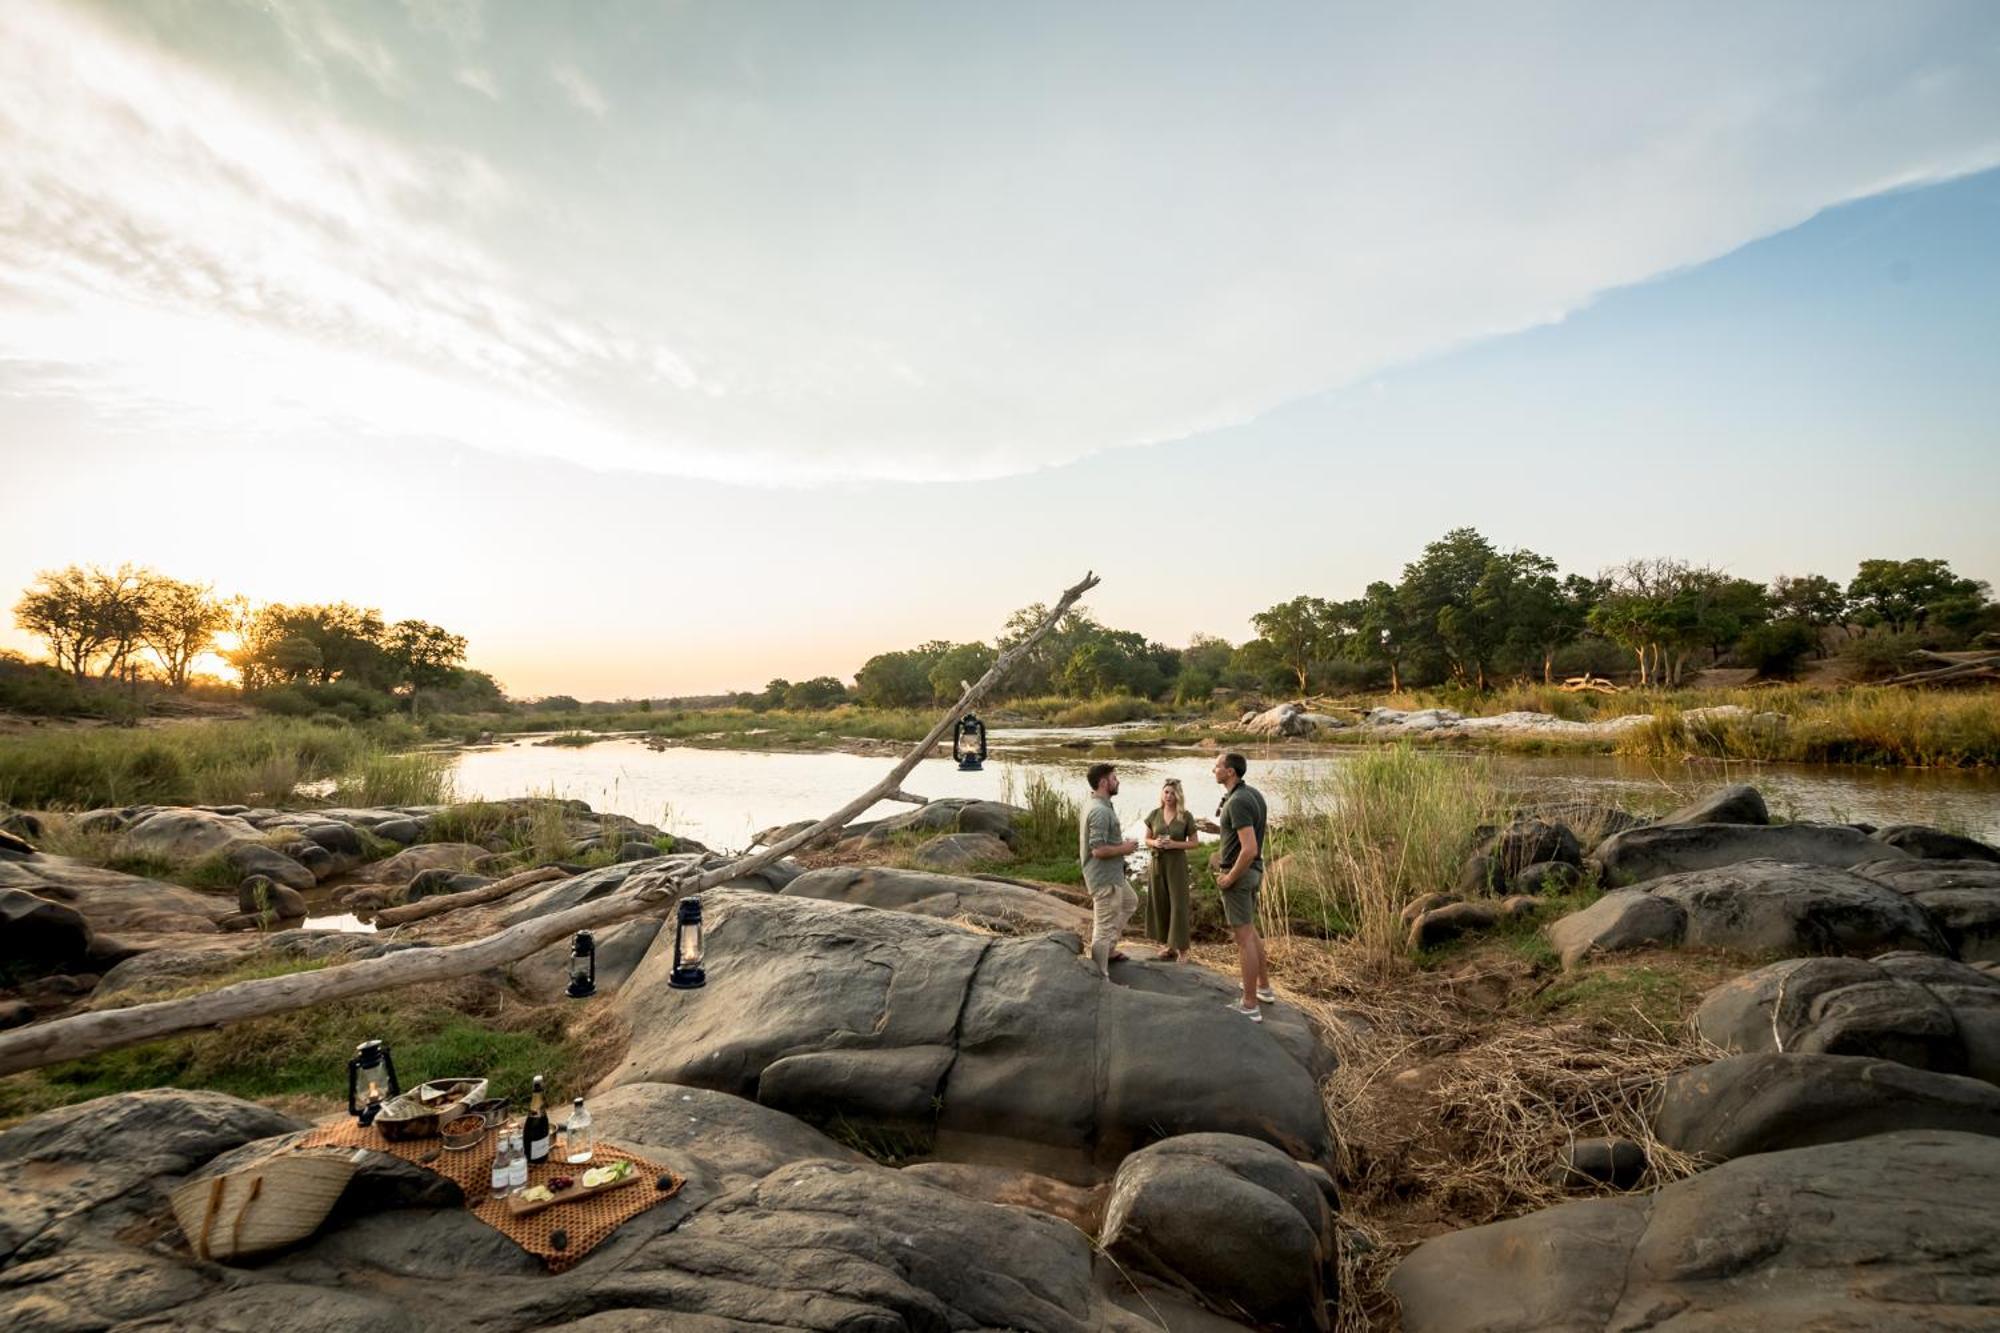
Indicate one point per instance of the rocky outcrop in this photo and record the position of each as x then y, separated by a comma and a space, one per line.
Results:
1011, 909
987, 1048
1928, 1013
1771, 1101
1755, 907
960, 851
1740, 804
1892, 1232
1641, 854
1231, 1220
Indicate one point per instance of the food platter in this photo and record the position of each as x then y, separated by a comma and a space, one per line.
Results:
588, 1183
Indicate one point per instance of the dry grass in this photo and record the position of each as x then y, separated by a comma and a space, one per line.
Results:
1457, 1093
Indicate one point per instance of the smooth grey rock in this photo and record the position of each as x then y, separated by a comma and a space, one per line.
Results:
1738, 804
1528, 839
1548, 877
995, 817
338, 838
258, 895
1934, 844
1928, 1013
441, 879
991, 904
544, 975
181, 834
254, 858
639, 851
1648, 853
1961, 897
1622, 919
397, 871
128, 906
1892, 1232
1769, 907
1614, 1163
1770, 1102
1054, 1070
1234, 1219
1478, 875
960, 851
402, 832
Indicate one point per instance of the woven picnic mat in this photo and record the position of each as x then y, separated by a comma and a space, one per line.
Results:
585, 1224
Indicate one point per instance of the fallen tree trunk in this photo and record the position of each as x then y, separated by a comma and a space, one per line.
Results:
86, 1034
424, 908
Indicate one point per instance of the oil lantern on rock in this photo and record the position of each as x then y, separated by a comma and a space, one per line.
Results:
687, 973
371, 1080
582, 966
968, 743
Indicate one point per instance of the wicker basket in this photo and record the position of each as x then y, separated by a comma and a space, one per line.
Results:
409, 1116
263, 1206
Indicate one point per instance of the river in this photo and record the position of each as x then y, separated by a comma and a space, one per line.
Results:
723, 797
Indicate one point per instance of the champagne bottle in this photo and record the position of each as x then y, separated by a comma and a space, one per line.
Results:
536, 1130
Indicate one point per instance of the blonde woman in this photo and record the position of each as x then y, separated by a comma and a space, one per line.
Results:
1170, 833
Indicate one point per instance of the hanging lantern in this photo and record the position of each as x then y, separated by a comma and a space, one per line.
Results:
371, 1080
582, 966
968, 743
687, 973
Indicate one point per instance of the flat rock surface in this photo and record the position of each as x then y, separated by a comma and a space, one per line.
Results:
1893, 1232
115, 903
1647, 853
1012, 908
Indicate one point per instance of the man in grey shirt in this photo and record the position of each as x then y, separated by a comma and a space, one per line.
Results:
1103, 847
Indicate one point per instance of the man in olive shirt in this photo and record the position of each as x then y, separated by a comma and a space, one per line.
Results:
1103, 849
1239, 873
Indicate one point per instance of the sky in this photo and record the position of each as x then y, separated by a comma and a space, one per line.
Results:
664, 348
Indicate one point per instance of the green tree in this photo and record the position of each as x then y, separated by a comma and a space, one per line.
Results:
962, 662
895, 680
819, 692
420, 655
1384, 630
1300, 633
1440, 592
1901, 595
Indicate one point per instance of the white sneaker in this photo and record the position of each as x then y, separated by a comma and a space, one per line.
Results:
1267, 995
1253, 1013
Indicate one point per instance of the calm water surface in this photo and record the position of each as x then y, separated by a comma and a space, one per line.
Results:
723, 797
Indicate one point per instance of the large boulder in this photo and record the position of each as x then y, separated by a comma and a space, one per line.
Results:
984, 1048
183, 834
1280, 721
1757, 907
1527, 840
1961, 897
1739, 804
254, 858
1231, 1219
102, 1163
1933, 844
1925, 1012
258, 895
115, 903
1892, 1232
1647, 853
1770, 1101
991, 904
398, 870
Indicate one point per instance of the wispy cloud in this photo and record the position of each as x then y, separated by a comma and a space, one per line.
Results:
581, 91
481, 81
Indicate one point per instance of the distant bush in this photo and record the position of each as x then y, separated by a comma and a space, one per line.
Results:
1776, 649
351, 703
1879, 656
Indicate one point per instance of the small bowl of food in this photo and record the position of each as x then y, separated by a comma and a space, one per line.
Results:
464, 1132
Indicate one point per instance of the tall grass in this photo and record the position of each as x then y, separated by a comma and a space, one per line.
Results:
1884, 726
1048, 832
422, 777
1387, 827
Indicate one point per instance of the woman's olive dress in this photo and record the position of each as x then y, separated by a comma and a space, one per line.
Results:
1167, 890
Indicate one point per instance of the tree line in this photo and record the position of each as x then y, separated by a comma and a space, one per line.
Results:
1468, 614
132, 624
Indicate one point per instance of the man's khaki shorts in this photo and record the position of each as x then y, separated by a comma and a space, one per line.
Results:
1239, 900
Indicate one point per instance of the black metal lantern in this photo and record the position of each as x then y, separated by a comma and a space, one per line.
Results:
371, 1080
687, 973
968, 743
582, 966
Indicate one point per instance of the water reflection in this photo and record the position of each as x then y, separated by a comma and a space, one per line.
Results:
723, 797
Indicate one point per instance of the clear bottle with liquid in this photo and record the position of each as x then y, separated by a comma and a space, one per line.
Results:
503, 1166
517, 1164
578, 1145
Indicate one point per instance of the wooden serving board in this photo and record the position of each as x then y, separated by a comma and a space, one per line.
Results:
574, 1194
